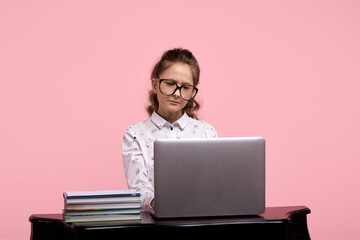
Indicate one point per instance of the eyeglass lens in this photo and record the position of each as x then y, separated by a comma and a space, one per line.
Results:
168, 87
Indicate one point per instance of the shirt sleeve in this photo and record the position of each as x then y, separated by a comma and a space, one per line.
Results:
135, 169
209, 131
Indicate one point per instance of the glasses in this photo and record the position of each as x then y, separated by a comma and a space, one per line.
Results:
169, 87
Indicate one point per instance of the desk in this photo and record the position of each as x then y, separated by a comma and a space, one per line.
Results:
276, 223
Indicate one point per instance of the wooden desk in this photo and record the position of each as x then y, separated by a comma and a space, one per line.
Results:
276, 223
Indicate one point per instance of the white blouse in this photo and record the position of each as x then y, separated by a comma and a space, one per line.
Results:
138, 149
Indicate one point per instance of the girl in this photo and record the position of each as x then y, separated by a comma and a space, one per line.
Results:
172, 112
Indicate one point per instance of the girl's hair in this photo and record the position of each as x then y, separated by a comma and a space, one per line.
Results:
176, 55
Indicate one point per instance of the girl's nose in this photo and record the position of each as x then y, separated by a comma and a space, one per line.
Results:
177, 92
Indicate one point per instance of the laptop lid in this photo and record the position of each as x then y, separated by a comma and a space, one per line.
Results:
209, 177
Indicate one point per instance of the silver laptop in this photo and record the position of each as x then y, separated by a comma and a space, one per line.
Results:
202, 177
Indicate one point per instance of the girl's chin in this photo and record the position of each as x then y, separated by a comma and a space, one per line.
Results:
172, 110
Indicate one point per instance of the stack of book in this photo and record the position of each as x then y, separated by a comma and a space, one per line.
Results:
95, 206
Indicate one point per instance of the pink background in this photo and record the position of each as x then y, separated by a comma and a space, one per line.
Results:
75, 74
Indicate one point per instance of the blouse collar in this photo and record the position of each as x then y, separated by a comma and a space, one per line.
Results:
160, 122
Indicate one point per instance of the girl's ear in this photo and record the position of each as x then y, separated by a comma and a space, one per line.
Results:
154, 85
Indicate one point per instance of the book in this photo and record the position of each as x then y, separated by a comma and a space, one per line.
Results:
101, 193
100, 218
101, 212
105, 206
100, 200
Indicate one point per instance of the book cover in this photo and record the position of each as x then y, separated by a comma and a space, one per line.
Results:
99, 200
113, 206
100, 194
68, 213
101, 218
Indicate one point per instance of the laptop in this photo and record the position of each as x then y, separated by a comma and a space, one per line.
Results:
207, 177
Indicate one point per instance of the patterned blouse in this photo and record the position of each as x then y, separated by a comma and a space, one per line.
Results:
138, 149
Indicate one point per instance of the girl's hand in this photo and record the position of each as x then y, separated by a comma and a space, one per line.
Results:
152, 204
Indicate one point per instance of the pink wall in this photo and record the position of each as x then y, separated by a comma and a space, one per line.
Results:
74, 75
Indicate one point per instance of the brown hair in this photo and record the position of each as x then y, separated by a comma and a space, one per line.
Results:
176, 55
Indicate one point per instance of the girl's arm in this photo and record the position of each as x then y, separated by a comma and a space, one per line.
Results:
135, 169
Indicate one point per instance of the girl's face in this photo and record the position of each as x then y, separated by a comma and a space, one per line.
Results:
170, 107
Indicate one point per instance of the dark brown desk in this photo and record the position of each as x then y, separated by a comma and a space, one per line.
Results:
276, 223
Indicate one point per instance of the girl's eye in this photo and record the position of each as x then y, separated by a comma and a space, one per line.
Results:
170, 83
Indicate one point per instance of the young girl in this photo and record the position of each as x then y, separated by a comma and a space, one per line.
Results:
172, 112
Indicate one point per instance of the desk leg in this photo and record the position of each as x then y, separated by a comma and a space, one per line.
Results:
50, 231
298, 229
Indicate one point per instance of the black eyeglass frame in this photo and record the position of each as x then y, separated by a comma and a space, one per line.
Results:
177, 87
